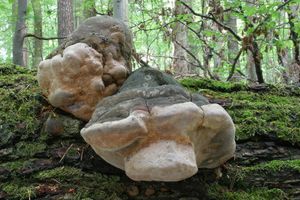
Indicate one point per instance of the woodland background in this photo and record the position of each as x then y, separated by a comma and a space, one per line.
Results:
253, 40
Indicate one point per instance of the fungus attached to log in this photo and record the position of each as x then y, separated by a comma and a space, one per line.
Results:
152, 128
155, 130
92, 63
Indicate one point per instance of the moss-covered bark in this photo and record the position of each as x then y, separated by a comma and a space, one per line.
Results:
42, 155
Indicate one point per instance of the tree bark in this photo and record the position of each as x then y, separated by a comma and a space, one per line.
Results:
20, 31
216, 10
233, 46
251, 67
294, 67
121, 10
38, 31
254, 56
180, 41
64, 18
257, 61
78, 12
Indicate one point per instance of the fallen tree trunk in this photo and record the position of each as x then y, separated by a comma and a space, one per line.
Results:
38, 164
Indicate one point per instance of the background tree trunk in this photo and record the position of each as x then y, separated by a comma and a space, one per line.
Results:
284, 56
257, 61
38, 31
78, 12
121, 10
217, 10
64, 18
251, 67
180, 41
232, 45
294, 67
19, 34
253, 51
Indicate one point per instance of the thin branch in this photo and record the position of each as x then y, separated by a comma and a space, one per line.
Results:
241, 73
171, 57
43, 38
212, 17
196, 59
68, 149
234, 64
199, 37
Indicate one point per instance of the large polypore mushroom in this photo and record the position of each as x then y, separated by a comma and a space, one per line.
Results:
92, 63
155, 130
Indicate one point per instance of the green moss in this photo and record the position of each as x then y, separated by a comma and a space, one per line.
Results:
196, 84
16, 165
275, 166
86, 185
11, 69
29, 149
243, 177
219, 192
19, 103
274, 112
18, 190
62, 173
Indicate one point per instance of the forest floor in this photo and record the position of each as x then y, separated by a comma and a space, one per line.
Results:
35, 164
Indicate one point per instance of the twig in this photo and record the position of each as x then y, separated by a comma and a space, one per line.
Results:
43, 38
234, 64
81, 155
196, 59
199, 37
212, 17
68, 149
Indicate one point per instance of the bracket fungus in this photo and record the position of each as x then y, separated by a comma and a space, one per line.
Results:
156, 131
145, 124
92, 63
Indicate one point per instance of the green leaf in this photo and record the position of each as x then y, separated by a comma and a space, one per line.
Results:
249, 10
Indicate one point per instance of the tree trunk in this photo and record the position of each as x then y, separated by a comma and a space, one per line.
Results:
232, 45
38, 31
54, 162
294, 69
217, 10
64, 18
257, 61
284, 58
180, 41
251, 67
121, 10
254, 62
253, 52
78, 12
19, 34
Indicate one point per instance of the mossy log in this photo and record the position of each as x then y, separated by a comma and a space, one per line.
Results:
42, 155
